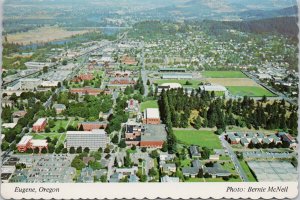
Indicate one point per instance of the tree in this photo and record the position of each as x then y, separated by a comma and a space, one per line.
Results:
116, 162
107, 150
45, 69
51, 147
100, 150
97, 155
197, 123
154, 154
144, 149
205, 153
164, 147
200, 173
127, 160
95, 165
65, 150
72, 150
152, 172
148, 82
64, 62
103, 178
86, 149
77, 163
133, 148
4, 145
115, 139
61, 129
58, 150
143, 178
79, 150
122, 144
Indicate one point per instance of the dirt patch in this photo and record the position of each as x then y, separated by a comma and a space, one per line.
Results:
44, 34
232, 81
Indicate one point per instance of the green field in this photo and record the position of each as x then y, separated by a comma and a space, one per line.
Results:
44, 135
201, 138
223, 74
194, 83
149, 104
250, 91
247, 171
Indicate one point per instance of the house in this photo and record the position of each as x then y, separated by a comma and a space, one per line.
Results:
232, 139
266, 141
119, 74
133, 178
115, 178
274, 138
99, 173
216, 171
190, 171
168, 168
168, 179
285, 137
127, 60
17, 115
214, 157
9, 125
195, 152
39, 125
255, 141
166, 156
59, 108
151, 116
88, 126
86, 175
127, 171
245, 142
153, 136
197, 163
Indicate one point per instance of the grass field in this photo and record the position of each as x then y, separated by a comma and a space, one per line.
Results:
247, 171
224, 74
44, 135
251, 91
201, 138
149, 104
194, 83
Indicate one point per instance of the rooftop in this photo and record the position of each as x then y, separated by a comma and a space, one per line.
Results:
94, 131
39, 122
25, 140
152, 113
154, 132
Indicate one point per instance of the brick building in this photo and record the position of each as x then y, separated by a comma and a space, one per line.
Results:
88, 126
39, 125
28, 143
151, 116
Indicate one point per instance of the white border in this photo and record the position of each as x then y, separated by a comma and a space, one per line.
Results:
150, 190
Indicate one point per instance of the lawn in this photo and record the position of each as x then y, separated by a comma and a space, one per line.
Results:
58, 124
195, 180
201, 138
247, 171
251, 91
224, 74
44, 135
194, 83
149, 104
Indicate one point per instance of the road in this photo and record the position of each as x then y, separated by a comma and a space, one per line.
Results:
234, 159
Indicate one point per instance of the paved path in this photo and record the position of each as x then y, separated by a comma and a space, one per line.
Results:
234, 159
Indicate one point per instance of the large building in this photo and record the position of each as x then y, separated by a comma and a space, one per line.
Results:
28, 143
88, 126
168, 86
30, 83
154, 136
87, 91
39, 125
151, 116
168, 69
92, 139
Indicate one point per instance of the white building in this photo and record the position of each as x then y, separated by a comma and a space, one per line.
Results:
215, 88
49, 83
30, 83
91, 139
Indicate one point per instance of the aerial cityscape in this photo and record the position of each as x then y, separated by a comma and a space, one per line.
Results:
149, 91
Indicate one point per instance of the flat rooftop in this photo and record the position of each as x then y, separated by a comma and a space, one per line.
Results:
25, 140
154, 132
152, 113
94, 131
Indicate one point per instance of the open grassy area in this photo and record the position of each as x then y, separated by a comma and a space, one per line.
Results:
149, 104
195, 180
194, 83
247, 171
224, 74
44, 135
201, 138
251, 91
58, 124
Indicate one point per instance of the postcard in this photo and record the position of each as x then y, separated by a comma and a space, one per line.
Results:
149, 99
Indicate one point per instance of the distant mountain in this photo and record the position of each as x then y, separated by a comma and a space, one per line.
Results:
286, 26
261, 14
